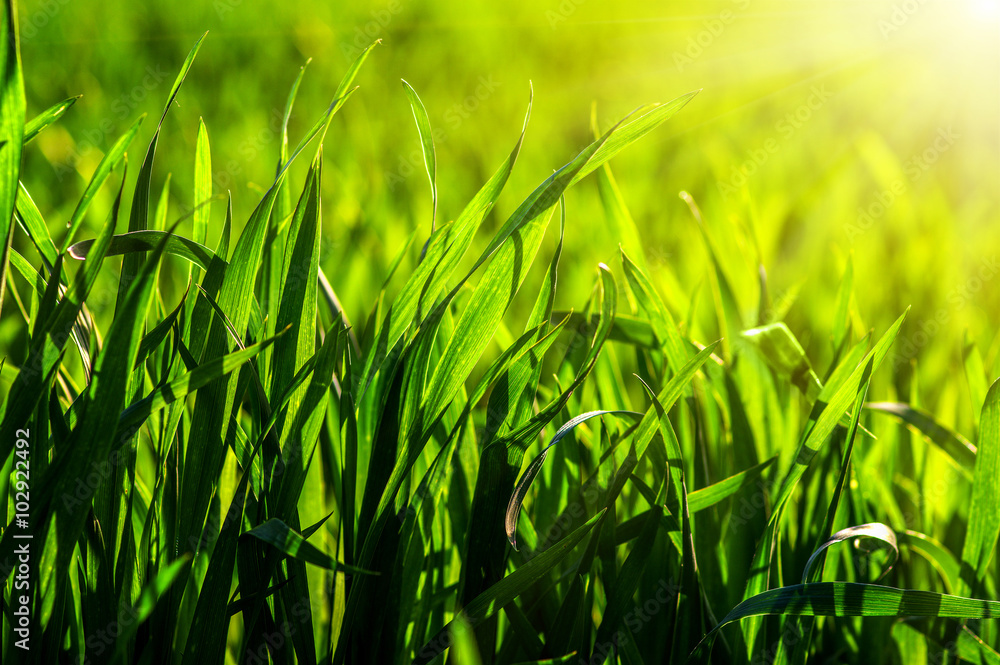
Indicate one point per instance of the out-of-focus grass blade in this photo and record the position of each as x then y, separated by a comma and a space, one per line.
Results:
34, 126
726, 306
11, 131
426, 145
842, 315
706, 497
975, 374
875, 530
984, 517
782, 350
276, 533
510, 587
936, 554
517, 498
626, 329
952, 443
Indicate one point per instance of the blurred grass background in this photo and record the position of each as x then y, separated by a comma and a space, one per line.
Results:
824, 129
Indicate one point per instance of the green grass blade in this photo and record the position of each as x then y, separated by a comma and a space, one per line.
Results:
984, 518
11, 131
510, 587
50, 115
426, 145
276, 533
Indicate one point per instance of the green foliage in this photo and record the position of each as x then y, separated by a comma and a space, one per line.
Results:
224, 469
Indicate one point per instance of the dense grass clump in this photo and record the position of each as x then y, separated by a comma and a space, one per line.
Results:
221, 467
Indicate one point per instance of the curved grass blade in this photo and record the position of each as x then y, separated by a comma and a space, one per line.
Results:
936, 554
517, 498
851, 599
825, 417
952, 443
874, 530
426, 145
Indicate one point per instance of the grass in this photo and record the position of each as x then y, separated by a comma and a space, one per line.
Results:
216, 464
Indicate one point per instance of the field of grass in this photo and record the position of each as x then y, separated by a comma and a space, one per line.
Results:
305, 364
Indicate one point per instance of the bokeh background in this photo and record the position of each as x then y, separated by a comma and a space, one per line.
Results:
823, 130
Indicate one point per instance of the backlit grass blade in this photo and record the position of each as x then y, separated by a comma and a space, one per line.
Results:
297, 306
34, 126
51, 332
875, 530
521, 490
11, 130
643, 121
812, 439
984, 518
202, 185
782, 351
91, 440
660, 318
446, 248
426, 145
276, 533
31, 219
188, 383
954, 444
139, 214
